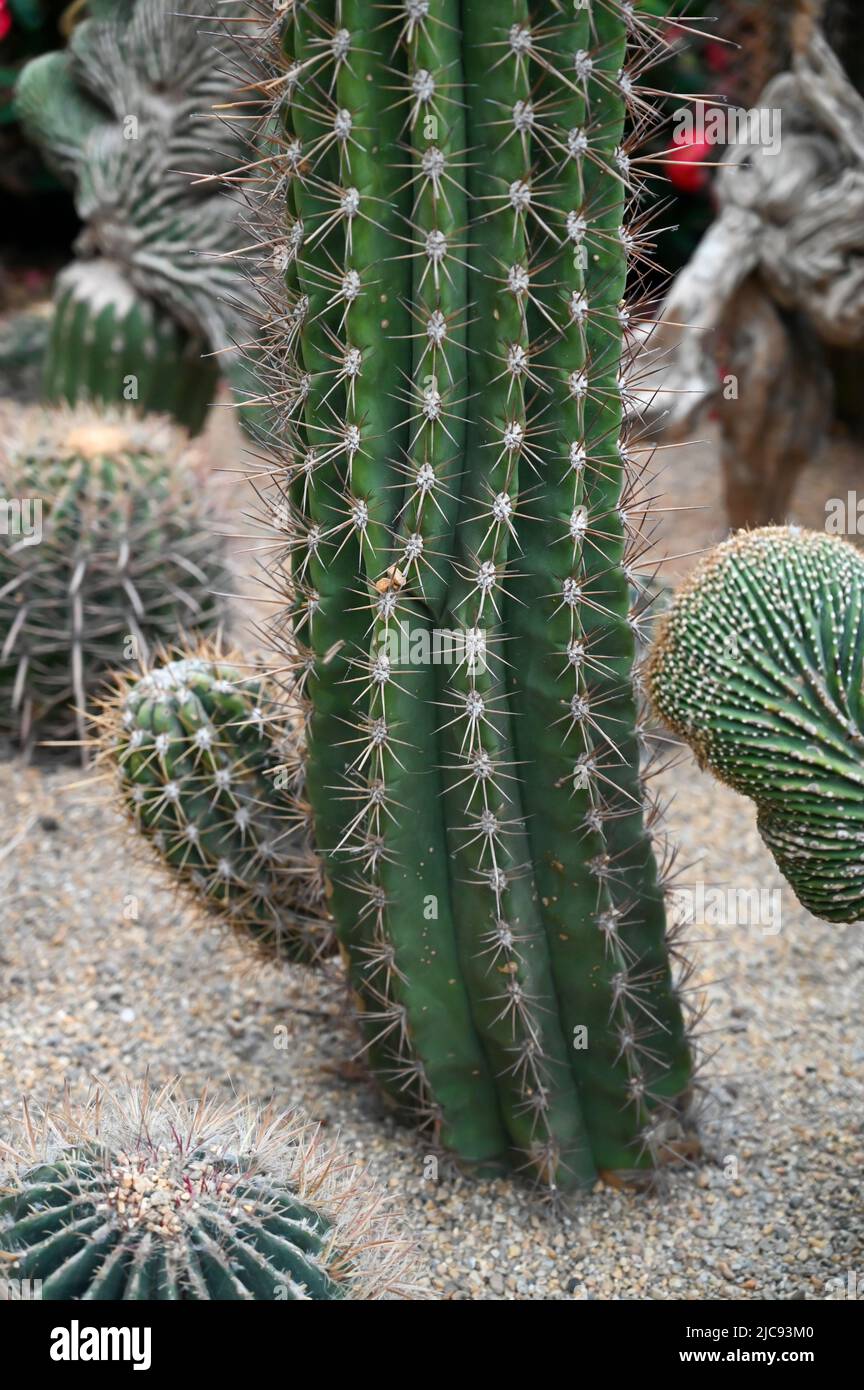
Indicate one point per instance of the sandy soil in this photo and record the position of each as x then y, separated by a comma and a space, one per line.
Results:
102, 975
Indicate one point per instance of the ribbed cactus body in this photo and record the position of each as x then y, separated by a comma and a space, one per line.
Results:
209, 768
110, 551
150, 1197
59, 1223
758, 665
458, 493
109, 343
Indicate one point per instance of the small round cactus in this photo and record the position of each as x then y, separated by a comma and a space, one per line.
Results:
210, 771
109, 550
758, 667
149, 1195
107, 338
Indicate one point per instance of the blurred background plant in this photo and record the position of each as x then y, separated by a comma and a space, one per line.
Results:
27, 28
736, 55
115, 554
763, 327
37, 219
123, 116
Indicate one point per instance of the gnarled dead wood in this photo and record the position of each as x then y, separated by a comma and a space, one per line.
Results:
778, 417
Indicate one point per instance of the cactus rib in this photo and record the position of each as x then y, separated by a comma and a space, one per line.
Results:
145, 1194
757, 666
454, 458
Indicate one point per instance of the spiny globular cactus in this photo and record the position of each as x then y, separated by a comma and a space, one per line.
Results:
453, 461
758, 666
111, 550
144, 1194
210, 770
123, 116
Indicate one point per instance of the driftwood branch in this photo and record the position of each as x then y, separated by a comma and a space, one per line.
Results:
837, 108
684, 344
791, 228
777, 409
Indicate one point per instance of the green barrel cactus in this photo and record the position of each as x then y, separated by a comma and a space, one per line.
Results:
109, 343
123, 116
107, 549
461, 514
209, 762
147, 1195
758, 666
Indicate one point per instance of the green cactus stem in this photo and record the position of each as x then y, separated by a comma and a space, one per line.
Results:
209, 765
758, 667
454, 460
143, 1194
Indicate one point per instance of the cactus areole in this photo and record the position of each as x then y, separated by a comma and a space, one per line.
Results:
456, 492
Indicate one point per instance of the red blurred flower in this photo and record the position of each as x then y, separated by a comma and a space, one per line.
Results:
719, 56
687, 171
5, 19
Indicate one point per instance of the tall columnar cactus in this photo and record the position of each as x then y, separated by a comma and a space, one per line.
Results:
108, 550
454, 462
758, 665
209, 766
123, 115
146, 1194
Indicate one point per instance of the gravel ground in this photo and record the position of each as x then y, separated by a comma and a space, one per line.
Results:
102, 975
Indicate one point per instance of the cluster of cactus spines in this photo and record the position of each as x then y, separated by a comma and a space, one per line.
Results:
124, 115
448, 369
758, 666
208, 759
113, 553
145, 1194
